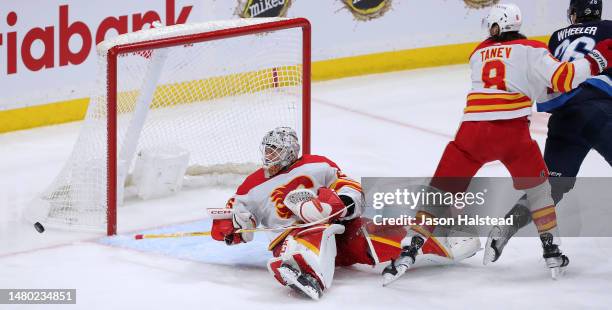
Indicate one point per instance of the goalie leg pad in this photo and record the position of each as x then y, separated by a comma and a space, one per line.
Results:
273, 265
386, 244
312, 251
462, 245
384, 241
353, 245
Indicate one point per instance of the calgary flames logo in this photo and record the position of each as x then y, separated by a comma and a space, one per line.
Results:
278, 195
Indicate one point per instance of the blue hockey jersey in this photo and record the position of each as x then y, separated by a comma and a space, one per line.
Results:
575, 42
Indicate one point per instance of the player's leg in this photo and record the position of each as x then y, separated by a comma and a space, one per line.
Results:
500, 235
564, 153
353, 245
364, 242
604, 147
572, 132
462, 158
459, 163
601, 137
305, 260
367, 243
433, 250
529, 172
567, 145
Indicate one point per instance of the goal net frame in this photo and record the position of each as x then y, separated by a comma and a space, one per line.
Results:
146, 46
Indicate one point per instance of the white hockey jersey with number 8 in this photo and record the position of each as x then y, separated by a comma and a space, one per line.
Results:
508, 76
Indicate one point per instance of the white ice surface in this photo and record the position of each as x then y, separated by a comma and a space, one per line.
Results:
394, 124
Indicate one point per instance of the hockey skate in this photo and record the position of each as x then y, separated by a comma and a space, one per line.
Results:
555, 260
303, 283
500, 235
497, 240
399, 266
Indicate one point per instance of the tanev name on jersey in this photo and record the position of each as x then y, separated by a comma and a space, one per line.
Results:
500, 52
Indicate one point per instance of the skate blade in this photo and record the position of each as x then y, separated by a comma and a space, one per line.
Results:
290, 278
557, 272
490, 254
389, 278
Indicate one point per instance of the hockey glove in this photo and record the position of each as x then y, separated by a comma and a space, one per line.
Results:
225, 229
323, 206
600, 56
244, 220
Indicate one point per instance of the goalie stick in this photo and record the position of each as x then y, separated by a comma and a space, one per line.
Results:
222, 213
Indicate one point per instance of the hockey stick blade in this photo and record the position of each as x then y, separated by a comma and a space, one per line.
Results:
173, 235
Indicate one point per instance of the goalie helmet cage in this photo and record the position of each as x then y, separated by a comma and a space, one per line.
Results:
268, 87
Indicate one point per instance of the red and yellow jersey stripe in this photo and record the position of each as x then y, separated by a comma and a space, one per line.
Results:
545, 219
342, 182
496, 102
563, 77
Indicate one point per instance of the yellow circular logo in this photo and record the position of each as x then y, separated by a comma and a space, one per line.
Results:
367, 9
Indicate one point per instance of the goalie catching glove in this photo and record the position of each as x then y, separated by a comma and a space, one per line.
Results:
225, 229
325, 205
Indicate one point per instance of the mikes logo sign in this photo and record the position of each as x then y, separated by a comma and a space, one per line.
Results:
262, 8
367, 9
18, 44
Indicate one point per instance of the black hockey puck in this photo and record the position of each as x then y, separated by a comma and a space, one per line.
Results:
39, 228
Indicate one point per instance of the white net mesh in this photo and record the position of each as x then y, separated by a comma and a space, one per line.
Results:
215, 99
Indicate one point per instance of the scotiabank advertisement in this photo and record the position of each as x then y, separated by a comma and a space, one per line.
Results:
52, 42
305, 154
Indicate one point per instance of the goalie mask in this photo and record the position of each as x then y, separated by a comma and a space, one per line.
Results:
279, 149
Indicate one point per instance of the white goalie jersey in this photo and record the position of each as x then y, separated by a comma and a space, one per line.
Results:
264, 197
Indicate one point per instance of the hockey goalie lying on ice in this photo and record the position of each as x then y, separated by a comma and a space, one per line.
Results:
314, 212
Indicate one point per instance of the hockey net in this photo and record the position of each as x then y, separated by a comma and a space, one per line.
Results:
210, 89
